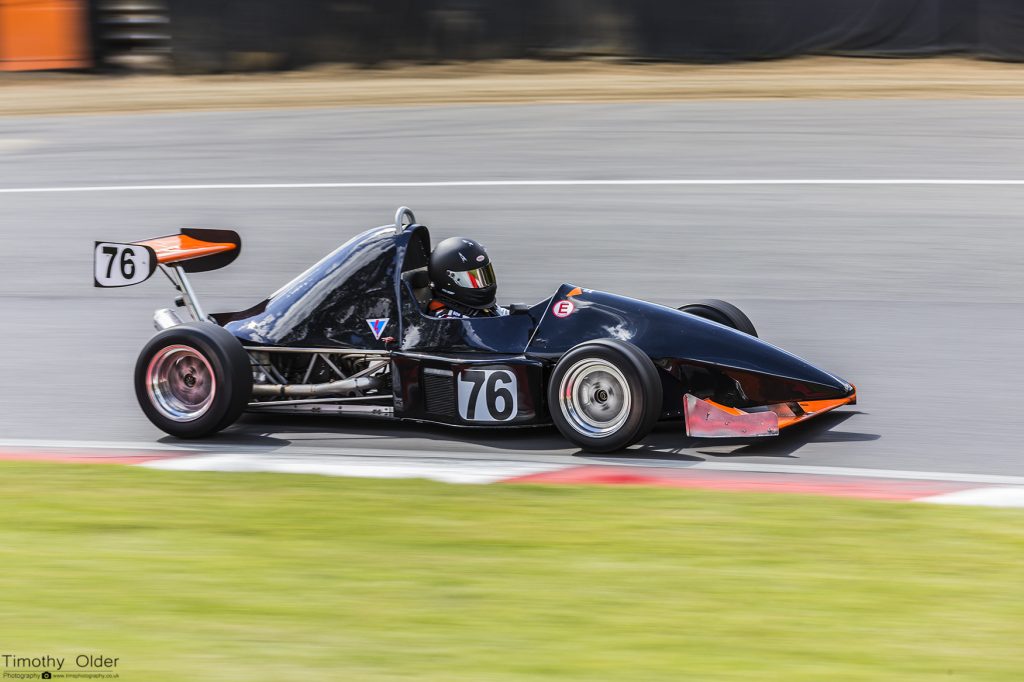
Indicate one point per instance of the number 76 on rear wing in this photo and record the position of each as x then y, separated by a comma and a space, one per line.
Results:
122, 265
192, 250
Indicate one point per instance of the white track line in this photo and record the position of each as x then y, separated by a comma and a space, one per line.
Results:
725, 182
449, 470
980, 497
39, 443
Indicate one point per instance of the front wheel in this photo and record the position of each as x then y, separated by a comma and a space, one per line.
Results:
604, 395
193, 380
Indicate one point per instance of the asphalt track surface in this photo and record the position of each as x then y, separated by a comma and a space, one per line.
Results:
913, 292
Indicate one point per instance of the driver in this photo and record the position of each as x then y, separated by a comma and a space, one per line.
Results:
463, 280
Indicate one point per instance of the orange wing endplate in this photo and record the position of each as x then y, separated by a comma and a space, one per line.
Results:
180, 247
708, 419
811, 408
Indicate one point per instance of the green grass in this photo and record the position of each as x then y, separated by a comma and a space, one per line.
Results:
264, 577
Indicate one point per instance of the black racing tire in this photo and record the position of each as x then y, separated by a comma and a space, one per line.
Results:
193, 380
721, 312
604, 395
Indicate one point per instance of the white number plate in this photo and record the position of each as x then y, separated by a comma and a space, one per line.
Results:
488, 395
121, 265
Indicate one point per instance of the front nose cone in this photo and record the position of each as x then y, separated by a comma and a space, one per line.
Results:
766, 373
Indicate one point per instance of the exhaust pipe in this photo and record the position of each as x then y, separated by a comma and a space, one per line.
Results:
314, 390
165, 318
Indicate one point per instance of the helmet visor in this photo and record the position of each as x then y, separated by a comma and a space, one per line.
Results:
480, 278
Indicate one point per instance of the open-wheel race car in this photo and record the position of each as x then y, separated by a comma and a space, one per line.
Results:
352, 336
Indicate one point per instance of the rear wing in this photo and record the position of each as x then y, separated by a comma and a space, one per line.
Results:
192, 250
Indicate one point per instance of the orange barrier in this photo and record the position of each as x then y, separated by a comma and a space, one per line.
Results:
43, 34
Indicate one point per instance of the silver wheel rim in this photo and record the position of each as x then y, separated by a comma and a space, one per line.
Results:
180, 383
594, 398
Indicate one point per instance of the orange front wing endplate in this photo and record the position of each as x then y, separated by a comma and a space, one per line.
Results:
708, 419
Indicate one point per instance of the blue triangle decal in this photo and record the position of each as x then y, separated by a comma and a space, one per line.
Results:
377, 326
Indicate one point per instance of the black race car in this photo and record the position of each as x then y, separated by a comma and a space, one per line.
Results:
350, 336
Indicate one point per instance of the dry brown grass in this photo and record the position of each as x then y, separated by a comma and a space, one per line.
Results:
513, 82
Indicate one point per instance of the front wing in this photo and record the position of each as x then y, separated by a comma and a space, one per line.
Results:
708, 419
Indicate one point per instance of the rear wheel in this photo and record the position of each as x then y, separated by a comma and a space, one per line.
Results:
604, 395
193, 380
721, 312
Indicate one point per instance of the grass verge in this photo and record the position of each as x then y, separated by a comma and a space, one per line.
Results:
262, 577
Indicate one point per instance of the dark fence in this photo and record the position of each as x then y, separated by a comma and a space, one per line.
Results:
225, 35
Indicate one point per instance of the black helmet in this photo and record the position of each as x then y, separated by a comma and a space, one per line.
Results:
461, 271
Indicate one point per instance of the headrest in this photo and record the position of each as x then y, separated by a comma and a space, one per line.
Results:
419, 279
